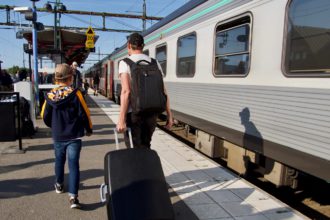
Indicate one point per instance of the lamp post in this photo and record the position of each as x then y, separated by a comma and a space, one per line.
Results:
35, 54
144, 14
58, 7
31, 15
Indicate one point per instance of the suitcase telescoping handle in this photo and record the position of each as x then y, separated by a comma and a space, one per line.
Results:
103, 192
104, 187
129, 135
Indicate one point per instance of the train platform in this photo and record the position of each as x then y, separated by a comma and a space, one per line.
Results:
199, 188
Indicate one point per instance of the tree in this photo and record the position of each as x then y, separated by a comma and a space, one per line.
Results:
13, 70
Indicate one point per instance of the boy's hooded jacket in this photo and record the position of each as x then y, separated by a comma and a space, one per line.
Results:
66, 112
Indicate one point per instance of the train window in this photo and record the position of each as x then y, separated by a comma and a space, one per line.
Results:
146, 52
186, 55
161, 56
232, 49
308, 41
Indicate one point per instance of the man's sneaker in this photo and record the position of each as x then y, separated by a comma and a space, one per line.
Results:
59, 188
74, 203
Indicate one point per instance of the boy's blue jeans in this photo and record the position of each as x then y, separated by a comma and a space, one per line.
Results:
72, 148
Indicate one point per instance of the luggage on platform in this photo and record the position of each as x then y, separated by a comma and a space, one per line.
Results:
135, 186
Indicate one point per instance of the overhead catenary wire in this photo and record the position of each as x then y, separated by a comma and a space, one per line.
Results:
96, 25
133, 5
123, 23
83, 21
166, 6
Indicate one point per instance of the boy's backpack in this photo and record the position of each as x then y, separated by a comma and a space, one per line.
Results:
147, 87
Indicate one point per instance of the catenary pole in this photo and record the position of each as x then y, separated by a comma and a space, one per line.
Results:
35, 59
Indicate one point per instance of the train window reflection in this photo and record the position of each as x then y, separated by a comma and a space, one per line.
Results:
232, 48
308, 41
186, 55
161, 56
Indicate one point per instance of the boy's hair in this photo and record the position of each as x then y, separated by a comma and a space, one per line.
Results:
63, 72
136, 40
62, 80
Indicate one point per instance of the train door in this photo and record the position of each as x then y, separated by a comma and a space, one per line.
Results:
111, 90
105, 75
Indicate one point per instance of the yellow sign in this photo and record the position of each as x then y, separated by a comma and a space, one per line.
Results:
90, 31
89, 38
89, 44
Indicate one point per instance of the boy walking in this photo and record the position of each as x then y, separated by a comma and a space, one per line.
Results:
66, 112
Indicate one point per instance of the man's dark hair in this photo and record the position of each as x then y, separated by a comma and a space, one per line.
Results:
136, 40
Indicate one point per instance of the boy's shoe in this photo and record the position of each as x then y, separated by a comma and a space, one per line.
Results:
74, 203
59, 188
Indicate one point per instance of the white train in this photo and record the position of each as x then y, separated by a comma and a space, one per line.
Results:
253, 76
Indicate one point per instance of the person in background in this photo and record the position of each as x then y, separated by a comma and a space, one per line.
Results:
77, 80
96, 82
86, 86
40, 78
47, 78
6, 82
67, 114
22, 75
15, 77
142, 126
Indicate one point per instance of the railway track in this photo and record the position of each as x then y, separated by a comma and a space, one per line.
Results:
310, 198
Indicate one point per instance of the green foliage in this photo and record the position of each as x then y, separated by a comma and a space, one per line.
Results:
23, 68
13, 70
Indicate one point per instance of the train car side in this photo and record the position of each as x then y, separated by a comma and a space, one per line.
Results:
227, 75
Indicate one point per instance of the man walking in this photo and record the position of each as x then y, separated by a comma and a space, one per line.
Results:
142, 124
77, 80
96, 83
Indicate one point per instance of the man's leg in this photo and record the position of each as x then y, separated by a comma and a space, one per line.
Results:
97, 89
147, 129
133, 121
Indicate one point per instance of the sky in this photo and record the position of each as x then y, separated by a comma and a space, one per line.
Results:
11, 52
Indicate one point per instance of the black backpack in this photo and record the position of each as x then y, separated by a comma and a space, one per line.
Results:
147, 87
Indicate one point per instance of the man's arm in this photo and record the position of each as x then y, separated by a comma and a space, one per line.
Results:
124, 101
169, 122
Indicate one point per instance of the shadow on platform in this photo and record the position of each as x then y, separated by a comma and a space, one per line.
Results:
31, 186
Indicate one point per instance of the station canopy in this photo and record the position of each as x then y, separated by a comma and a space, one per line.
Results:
72, 46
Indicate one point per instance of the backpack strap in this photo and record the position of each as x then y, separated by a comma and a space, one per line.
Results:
153, 61
128, 61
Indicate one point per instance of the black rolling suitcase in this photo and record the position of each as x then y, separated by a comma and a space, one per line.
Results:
135, 187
